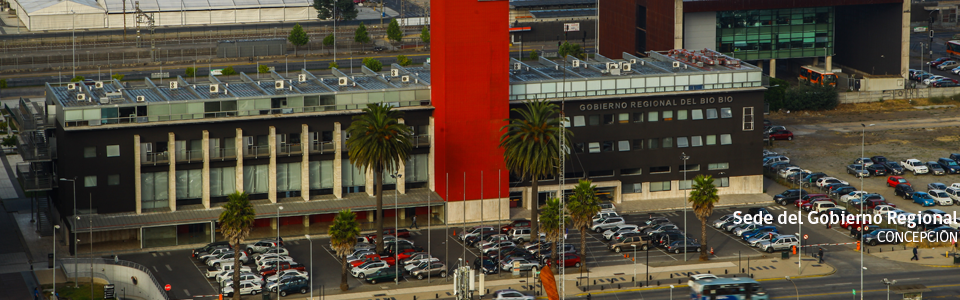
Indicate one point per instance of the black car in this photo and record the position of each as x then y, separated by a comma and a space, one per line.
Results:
951, 166
893, 168
663, 239
879, 159
208, 247
856, 232
955, 156
842, 191
378, 49
903, 190
788, 196
877, 170
811, 179
935, 168
487, 265
758, 211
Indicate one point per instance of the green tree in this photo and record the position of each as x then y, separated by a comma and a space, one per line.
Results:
373, 64
298, 37
403, 60
334, 64
236, 220
3, 83
10, 141
343, 235
425, 35
263, 69
531, 147
393, 31
582, 206
361, 35
117, 76
774, 95
343, 9
550, 224
77, 78
190, 72
703, 197
328, 41
571, 49
379, 142
534, 55
228, 71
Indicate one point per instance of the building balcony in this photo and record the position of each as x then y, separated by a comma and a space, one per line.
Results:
34, 145
256, 151
322, 147
154, 158
289, 149
189, 156
223, 154
36, 176
422, 140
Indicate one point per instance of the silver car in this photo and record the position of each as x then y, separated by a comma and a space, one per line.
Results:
607, 223
724, 219
525, 265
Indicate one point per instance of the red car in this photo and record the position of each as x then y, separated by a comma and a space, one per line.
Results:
402, 233
782, 135
809, 197
809, 205
854, 224
283, 266
390, 259
369, 257
515, 223
895, 180
873, 203
938, 61
569, 260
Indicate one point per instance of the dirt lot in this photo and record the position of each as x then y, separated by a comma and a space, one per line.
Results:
828, 141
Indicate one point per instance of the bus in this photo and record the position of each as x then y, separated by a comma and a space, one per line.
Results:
953, 49
737, 288
817, 76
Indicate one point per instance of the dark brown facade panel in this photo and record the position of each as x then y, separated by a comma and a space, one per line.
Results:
856, 38
618, 27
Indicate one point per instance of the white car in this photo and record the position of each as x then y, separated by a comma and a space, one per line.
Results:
854, 195
364, 246
932, 78
955, 224
368, 268
941, 197
244, 276
212, 272
275, 251
865, 161
227, 257
954, 193
270, 256
215, 253
288, 272
418, 258
605, 214
915, 165
828, 180
625, 227
511, 295
607, 223
883, 209
789, 170
607, 206
272, 261
358, 254
246, 288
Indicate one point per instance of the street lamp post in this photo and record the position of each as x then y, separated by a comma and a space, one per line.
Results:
863, 139
685, 157
279, 208
396, 226
74, 182
888, 283
55, 228
671, 292
74, 38
311, 265
795, 287
634, 264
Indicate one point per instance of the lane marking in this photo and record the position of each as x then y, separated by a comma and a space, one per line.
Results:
169, 268
185, 291
155, 269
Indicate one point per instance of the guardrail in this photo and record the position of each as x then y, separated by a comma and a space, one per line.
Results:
106, 270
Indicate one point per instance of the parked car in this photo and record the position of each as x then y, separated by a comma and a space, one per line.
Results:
606, 223
684, 246
246, 288
775, 159
903, 190
947, 65
828, 180
759, 231
949, 82
883, 209
895, 180
873, 239
788, 196
842, 191
511, 295
262, 246
301, 285
476, 230
949, 165
858, 170
660, 228
755, 241
607, 206
782, 242
383, 275
524, 264
642, 242
852, 195
936, 186
954, 193
608, 234
515, 223
519, 234
367, 268
893, 168
923, 199
782, 135
941, 197
877, 170
915, 166
866, 161
935, 168
209, 247
430, 270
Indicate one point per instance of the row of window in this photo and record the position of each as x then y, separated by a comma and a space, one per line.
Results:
652, 116
662, 186
653, 143
91, 152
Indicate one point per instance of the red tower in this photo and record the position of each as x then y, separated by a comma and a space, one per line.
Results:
470, 90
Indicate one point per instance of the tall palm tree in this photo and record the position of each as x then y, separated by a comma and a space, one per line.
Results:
235, 223
583, 205
378, 141
531, 147
550, 220
703, 197
343, 235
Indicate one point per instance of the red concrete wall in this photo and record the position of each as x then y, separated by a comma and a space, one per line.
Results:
469, 88
618, 26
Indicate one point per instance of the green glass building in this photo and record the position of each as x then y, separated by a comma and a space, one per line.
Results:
776, 33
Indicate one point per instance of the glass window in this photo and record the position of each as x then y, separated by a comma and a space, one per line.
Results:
637, 144
288, 177
653, 116
726, 113
594, 147
623, 118
660, 170
223, 181
113, 179
667, 142
653, 143
689, 167
189, 184
682, 142
718, 166
321, 174
601, 173
608, 119
579, 147
633, 188
638, 117
696, 141
89, 152
696, 114
90, 181
725, 139
711, 113
623, 145
721, 182
113, 150
594, 120
607, 146
417, 168
681, 115
629, 172
578, 121
711, 139
685, 184
153, 192
668, 115
659, 186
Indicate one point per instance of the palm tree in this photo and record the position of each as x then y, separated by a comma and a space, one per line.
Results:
378, 141
583, 205
343, 235
531, 147
550, 220
702, 198
235, 223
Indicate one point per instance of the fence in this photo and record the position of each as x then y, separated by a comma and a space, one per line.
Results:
129, 278
865, 97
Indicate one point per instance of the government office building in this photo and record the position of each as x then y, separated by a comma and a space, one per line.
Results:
148, 165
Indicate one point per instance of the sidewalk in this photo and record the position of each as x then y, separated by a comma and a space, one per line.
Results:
936, 257
678, 203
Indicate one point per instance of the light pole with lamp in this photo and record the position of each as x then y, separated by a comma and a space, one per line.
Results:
74, 182
863, 139
634, 264
311, 265
396, 225
671, 292
279, 208
685, 157
888, 283
795, 287
55, 228
74, 38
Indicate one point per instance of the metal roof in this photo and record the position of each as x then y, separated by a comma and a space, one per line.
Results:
531, 3
564, 13
116, 6
60, 7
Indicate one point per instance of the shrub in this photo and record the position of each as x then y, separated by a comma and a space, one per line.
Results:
403, 60
229, 71
78, 78
534, 55
263, 69
806, 97
117, 76
373, 64
937, 99
3, 83
190, 72
334, 64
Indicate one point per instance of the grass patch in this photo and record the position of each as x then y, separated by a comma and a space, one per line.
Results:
67, 291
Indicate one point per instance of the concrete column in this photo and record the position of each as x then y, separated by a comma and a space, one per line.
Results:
137, 189
370, 215
238, 144
905, 39
172, 173
431, 175
677, 24
828, 64
272, 169
369, 181
773, 67
403, 213
305, 163
402, 169
205, 189
306, 221
273, 223
337, 161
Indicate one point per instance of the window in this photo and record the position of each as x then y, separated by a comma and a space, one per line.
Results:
711, 113
623, 118
113, 150
667, 143
607, 146
623, 145
633, 188
668, 115
578, 121
608, 119
685, 184
711, 140
288, 177
696, 114
189, 184
659, 186
660, 170
594, 147
726, 113
223, 181
725, 139
601, 173
113, 179
153, 191
569, 175
637, 144
255, 179
682, 142
565, 122
351, 175
630, 172
594, 120
748, 118
689, 168
89, 152
90, 181
653, 143
718, 166
696, 141
638, 117
578, 148
321, 174
653, 116
417, 168
721, 182
681, 115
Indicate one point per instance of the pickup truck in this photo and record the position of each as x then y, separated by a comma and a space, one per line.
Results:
915, 165
267, 272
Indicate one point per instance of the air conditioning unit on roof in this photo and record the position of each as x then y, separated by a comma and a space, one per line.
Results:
576, 63
174, 85
627, 67
71, 86
676, 64
141, 98
214, 88
301, 77
81, 97
394, 72
633, 61
342, 81
405, 79
517, 66
98, 84
278, 84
